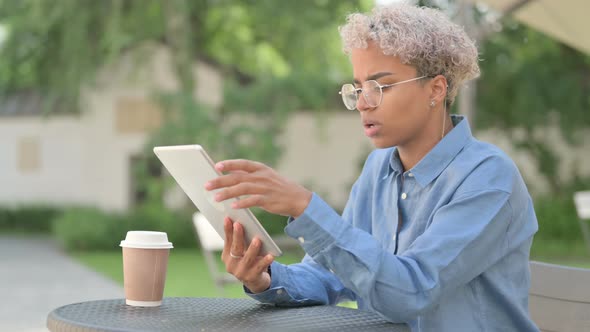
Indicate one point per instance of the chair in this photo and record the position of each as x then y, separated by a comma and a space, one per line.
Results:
559, 297
212, 244
582, 202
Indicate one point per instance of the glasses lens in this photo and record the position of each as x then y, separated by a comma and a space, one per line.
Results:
372, 93
349, 96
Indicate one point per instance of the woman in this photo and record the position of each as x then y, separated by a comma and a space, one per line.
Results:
438, 227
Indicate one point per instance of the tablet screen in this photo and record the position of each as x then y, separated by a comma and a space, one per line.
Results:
191, 167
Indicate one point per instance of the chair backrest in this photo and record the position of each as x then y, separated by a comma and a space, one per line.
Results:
559, 297
582, 201
211, 245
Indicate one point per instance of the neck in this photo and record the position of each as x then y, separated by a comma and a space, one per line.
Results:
412, 152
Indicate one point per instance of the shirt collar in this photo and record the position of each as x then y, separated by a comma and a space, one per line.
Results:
435, 161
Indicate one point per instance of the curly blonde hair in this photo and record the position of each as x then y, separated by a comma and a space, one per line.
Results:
421, 37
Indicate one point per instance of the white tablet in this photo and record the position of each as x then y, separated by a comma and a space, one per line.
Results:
191, 167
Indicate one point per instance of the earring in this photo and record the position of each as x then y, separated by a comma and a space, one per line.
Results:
432, 103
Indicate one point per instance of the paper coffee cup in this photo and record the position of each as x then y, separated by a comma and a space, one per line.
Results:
145, 262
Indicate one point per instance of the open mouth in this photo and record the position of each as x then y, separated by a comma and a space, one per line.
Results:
371, 129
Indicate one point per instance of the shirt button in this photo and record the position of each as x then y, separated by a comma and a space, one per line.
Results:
280, 291
301, 239
404, 195
411, 175
332, 271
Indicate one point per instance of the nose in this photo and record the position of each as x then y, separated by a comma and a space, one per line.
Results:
361, 103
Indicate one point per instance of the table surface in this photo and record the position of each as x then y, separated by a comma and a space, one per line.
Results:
212, 314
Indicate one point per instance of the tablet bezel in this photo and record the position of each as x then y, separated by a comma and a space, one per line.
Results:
191, 167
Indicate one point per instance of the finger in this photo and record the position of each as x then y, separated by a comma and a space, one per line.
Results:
232, 179
226, 180
239, 172
264, 263
248, 202
241, 189
237, 247
239, 165
251, 254
260, 266
229, 230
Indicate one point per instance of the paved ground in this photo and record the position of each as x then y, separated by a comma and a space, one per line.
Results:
36, 277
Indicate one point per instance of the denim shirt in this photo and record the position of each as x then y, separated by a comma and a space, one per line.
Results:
463, 242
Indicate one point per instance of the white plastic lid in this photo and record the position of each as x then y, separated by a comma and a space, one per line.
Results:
146, 240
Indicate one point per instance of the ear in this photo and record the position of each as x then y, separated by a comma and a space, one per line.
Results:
438, 89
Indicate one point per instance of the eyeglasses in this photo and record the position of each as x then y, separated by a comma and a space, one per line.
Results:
371, 90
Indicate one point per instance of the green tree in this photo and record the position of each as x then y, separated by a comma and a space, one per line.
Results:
528, 81
288, 52
54, 47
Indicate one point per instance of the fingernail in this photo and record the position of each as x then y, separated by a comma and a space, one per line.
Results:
234, 205
219, 166
218, 197
207, 185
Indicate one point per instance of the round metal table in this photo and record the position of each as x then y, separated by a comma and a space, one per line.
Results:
212, 314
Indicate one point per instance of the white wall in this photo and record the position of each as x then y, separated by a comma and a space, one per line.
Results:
325, 153
84, 160
573, 160
61, 176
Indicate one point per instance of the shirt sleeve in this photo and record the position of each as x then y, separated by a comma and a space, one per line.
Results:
460, 244
306, 283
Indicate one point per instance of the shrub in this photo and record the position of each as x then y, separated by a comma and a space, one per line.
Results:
557, 218
88, 229
177, 224
28, 219
92, 229
559, 234
6, 219
274, 224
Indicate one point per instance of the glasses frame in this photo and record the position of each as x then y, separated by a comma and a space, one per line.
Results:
358, 91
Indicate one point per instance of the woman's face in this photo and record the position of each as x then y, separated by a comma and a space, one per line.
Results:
404, 116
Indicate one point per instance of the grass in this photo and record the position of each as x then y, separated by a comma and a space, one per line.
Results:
187, 272
560, 252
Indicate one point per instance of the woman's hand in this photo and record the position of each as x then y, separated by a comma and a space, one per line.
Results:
263, 187
246, 265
